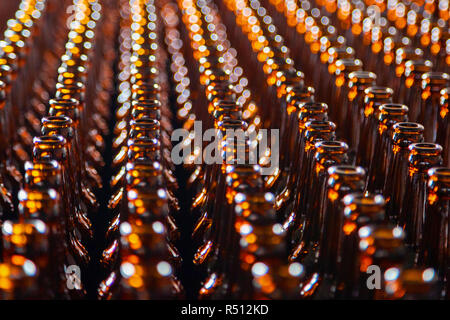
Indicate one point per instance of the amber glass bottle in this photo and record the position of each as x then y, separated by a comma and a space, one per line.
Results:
388, 115
405, 133
435, 239
308, 111
315, 131
422, 157
307, 228
374, 98
342, 180
411, 89
359, 210
381, 245
443, 129
432, 84
352, 114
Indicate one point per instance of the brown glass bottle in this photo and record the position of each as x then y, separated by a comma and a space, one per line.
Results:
352, 113
28, 238
359, 210
435, 239
211, 220
288, 130
432, 84
402, 55
411, 89
315, 131
416, 284
55, 148
339, 88
83, 200
380, 245
422, 157
262, 250
25, 283
333, 54
243, 179
6, 198
306, 238
405, 133
443, 127
308, 111
374, 98
388, 116
136, 276
342, 180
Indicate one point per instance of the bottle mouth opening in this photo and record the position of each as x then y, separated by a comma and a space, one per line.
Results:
364, 200
145, 85
144, 163
145, 122
302, 92
67, 67
294, 74
74, 57
67, 77
440, 174
220, 85
313, 107
342, 49
436, 77
418, 280
320, 125
291, 81
49, 140
348, 62
134, 194
389, 236
141, 89
75, 86
226, 104
147, 103
143, 68
405, 51
415, 63
43, 195
57, 121
66, 103
141, 168
426, 148
347, 170
215, 94
379, 91
332, 146
232, 124
393, 108
143, 141
362, 76
245, 169
42, 165
227, 110
5, 67
409, 127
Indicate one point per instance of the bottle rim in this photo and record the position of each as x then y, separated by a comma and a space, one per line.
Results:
408, 127
379, 92
361, 199
331, 146
347, 170
393, 109
425, 148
